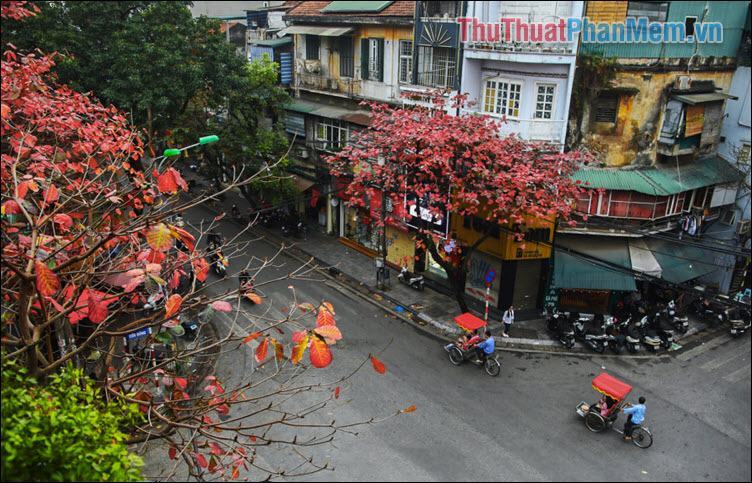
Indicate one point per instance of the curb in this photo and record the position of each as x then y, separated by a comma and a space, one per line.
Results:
365, 292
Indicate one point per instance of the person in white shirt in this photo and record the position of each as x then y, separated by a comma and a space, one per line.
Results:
508, 318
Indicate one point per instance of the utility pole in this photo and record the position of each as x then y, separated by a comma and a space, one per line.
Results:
382, 271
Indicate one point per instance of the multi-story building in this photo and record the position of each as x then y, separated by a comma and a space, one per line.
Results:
651, 113
344, 53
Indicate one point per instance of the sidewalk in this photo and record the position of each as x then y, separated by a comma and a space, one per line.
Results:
426, 308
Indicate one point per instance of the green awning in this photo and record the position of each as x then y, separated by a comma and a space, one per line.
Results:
572, 271
662, 180
693, 99
273, 42
352, 7
680, 262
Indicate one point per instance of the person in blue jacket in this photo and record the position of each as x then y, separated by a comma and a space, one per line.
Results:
485, 348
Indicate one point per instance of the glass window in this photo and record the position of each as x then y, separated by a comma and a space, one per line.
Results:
346, 57
405, 61
502, 97
436, 66
606, 106
374, 61
544, 101
331, 134
654, 11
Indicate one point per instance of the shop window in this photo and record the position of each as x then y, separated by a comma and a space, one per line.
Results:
605, 108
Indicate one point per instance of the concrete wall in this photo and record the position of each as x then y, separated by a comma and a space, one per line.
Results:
632, 140
736, 131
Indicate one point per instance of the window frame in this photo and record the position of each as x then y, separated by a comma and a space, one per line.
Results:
309, 47
502, 111
346, 61
650, 18
553, 101
596, 107
330, 126
408, 58
427, 58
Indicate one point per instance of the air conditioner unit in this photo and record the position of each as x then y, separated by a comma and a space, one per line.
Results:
742, 228
683, 82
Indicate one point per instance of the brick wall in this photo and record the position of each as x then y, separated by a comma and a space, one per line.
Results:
606, 11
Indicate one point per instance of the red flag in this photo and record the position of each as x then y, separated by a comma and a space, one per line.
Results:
314, 197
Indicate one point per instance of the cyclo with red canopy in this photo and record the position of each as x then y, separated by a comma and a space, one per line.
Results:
615, 393
463, 349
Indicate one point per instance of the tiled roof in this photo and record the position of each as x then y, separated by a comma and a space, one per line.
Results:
312, 9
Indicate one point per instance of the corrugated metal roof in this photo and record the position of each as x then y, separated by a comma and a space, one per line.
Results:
679, 262
571, 271
332, 112
315, 30
693, 99
273, 43
660, 181
369, 7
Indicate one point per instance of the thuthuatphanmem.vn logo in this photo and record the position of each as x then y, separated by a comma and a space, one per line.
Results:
632, 30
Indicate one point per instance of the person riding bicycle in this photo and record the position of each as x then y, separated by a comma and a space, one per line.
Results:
485, 348
635, 417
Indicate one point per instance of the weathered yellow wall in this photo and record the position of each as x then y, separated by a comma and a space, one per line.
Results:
606, 11
505, 247
640, 114
401, 249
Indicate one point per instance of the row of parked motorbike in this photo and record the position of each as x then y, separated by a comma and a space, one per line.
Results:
654, 330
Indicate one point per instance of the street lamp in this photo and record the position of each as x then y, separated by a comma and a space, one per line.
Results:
170, 152
382, 272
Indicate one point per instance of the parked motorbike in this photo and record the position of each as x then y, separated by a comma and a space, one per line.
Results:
680, 324
408, 278
631, 335
615, 341
301, 230
592, 337
739, 319
219, 263
560, 328
654, 334
707, 312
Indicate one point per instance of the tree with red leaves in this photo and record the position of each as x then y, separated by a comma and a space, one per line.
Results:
87, 237
455, 164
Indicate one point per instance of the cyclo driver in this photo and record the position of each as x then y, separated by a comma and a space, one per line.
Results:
485, 348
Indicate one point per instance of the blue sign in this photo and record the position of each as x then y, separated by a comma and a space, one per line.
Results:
490, 276
139, 334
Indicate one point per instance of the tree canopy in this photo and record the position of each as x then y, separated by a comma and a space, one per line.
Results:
458, 164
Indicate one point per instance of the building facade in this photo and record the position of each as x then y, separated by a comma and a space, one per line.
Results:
651, 113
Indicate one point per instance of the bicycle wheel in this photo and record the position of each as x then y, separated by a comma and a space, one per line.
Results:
595, 422
455, 356
493, 367
642, 438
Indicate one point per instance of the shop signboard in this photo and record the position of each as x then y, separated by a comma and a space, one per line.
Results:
418, 213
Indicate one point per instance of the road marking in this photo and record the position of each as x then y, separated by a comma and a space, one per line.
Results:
703, 348
739, 374
721, 361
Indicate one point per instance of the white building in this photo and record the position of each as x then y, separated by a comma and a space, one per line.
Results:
528, 83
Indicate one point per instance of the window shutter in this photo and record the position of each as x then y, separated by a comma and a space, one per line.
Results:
380, 61
364, 59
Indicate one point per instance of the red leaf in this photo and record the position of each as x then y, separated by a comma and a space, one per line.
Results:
378, 366
298, 335
65, 221
235, 472
251, 337
160, 237
166, 182
261, 350
336, 392
201, 269
97, 307
299, 349
172, 452
329, 332
320, 354
10, 207
181, 382
201, 459
47, 281
324, 317
51, 194
173, 305
409, 409
221, 306
188, 240
215, 449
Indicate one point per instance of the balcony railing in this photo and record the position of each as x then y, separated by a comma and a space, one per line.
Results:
523, 47
320, 82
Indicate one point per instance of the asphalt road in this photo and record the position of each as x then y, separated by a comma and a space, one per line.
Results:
521, 425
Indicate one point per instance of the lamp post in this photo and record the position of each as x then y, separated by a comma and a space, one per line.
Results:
170, 152
382, 272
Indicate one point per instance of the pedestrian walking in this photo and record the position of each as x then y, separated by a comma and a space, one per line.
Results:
508, 319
